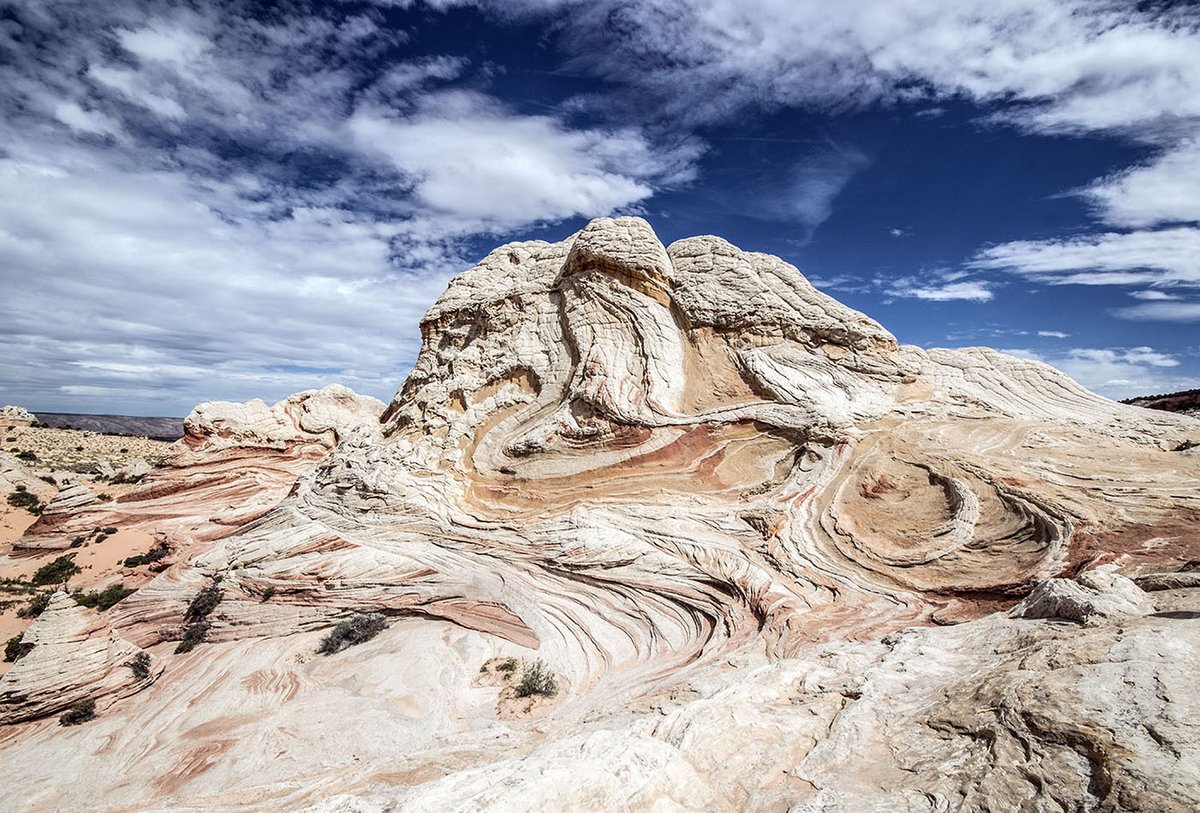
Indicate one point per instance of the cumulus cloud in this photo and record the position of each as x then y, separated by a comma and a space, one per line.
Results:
224, 205
471, 158
1165, 190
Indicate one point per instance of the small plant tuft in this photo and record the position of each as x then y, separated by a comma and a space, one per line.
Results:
25, 499
537, 679
37, 605
81, 712
148, 558
105, 598
268, 594
56, 572
193, 634
14, 650
508, 666
356, 629
140, 665
203, 603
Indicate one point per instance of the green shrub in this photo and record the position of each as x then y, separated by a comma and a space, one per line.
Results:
25, 499
81, 712
507, 666
537, 679
203, 603
149, 557
356, 629
193, 634
56, 572
140, 664
14, 650
37, 604
268, 594
104, 599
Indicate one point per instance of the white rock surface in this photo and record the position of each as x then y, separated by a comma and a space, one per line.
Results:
726, 510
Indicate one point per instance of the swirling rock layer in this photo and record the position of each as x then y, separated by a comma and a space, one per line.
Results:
704, 493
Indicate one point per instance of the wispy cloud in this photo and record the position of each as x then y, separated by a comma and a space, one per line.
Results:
1165, 257
1117, 372
940, 286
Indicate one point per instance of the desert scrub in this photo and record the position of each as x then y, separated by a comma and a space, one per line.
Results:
37, 605
193, 634
203, 603
507, 666
56, 572
14, 650
148, 558
105, 598
81, 712
139, 665
24, 499
537, 679
356, 629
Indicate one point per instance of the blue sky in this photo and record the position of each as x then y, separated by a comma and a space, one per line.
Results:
237, 200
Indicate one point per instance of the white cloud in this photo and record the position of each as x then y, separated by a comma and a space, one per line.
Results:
1120, 372
1052, 334
85, 121
945, 291
1165, 256
471, 158
1161, 312
1079, 65
1166, 190
1153, 296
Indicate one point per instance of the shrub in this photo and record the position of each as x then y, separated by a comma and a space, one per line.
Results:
81, 712
56, 572
204, 603
356, 629
537, 679
24, 499
140, 664
46, 478
104, 497
77, 542
104, 599
507, 666
193, 634
110, 530
14, 650
268, 594
27, 455
149, 557
37, 605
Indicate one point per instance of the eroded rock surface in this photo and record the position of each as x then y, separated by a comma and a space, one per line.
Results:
761, 545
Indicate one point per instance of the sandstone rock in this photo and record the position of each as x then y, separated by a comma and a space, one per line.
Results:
322, 416
16, 416
724, 509
1097, 594
74, 656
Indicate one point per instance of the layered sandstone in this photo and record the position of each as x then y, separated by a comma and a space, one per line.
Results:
729, 512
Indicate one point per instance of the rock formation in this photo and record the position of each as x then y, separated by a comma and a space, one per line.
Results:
763, 547
16, 416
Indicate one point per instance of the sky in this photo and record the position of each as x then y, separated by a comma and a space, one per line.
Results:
235, 200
